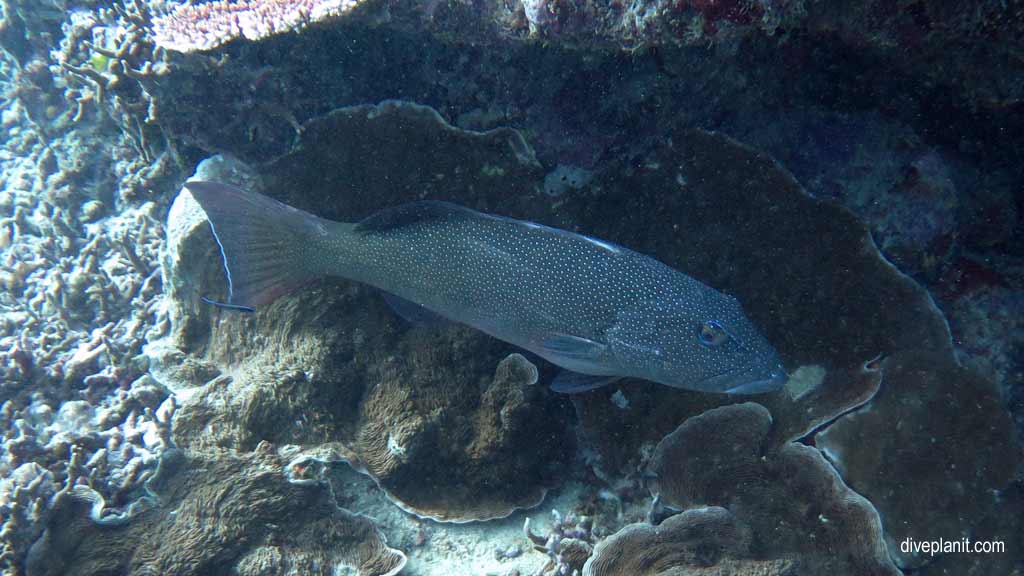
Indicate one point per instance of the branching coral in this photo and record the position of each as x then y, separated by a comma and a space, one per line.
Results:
24, 493
78, 274
110, 61
82, 305
79, 289
568, 544
111, 452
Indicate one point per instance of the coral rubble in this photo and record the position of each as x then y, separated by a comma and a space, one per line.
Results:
568, 545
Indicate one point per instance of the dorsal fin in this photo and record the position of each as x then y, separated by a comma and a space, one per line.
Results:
414, 213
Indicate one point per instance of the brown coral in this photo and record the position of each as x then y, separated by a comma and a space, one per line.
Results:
805, 270
698, 542
809, 274
218, 513
412, 407
932, 450
794, 502
441, 450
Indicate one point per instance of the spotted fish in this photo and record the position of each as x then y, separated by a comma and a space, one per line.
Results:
598, 310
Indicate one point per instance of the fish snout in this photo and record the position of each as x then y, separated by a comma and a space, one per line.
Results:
770, 382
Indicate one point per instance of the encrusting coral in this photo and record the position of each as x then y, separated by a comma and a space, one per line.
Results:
195, 27
706, 541
831, 307
217, 512
417, 415
792, 500
756, 234
937, 462
445, 454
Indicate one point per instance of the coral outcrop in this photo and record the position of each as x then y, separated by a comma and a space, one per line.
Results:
796, 287
790, 499
99, 122
933, 449
191, 27
927, 41
438, 416
697, 542
216, 512
829, 306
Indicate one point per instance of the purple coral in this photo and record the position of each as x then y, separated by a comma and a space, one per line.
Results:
197, 27
568, 544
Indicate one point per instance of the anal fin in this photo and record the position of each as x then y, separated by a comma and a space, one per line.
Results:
412, 312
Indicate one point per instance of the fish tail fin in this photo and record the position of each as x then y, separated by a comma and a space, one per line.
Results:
265, 244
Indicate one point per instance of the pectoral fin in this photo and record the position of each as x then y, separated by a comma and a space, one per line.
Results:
568, 382
574, 348
578, 356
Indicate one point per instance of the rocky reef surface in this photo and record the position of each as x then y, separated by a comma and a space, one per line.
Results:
849, 173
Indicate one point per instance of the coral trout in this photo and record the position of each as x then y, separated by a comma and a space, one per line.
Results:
598, 310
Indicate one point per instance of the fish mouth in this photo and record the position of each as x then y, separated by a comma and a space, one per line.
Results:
745, 381
765, 385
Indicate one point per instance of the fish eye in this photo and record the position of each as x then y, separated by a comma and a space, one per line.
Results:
710, 333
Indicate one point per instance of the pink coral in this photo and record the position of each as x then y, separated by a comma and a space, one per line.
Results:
193, 28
